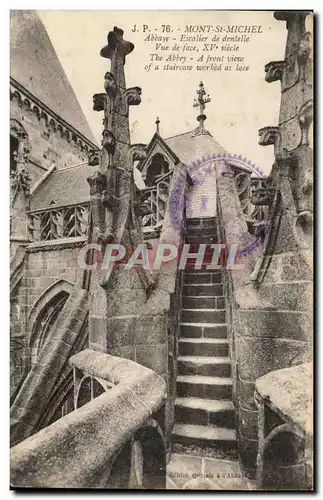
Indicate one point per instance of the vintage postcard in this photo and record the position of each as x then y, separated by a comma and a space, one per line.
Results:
161, 215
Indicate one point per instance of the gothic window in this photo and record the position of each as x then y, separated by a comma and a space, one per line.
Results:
13, 153
157, 167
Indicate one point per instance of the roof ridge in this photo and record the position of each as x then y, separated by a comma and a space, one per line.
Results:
178, 135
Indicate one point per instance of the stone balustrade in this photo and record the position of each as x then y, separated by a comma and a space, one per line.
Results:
111, 442
59, 223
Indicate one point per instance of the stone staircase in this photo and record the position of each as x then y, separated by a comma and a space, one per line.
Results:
204, 411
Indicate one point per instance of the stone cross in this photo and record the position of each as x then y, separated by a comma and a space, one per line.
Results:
115, 165
201, 101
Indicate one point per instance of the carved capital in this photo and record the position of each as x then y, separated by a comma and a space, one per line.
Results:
305, 117
97, 183
269, 136
94, 158
99, 101
274, 71
116, 45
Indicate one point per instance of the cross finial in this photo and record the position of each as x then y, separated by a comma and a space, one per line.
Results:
201, 101
157, 122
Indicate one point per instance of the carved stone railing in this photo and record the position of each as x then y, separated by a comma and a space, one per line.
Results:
156, 198
59, 223
111, 442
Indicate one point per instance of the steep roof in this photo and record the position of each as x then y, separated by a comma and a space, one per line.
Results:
68, 186
35, 65
190, 147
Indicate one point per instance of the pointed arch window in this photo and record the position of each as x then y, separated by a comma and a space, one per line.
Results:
158, 167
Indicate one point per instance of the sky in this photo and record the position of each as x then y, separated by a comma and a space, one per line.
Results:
241, 102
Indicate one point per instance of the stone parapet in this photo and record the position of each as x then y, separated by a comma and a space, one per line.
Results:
79, 450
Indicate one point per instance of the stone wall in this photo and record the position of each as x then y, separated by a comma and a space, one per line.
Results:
51, 141
48, 270
276, 330
201, 200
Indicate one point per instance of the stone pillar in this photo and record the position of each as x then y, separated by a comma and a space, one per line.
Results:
280, 337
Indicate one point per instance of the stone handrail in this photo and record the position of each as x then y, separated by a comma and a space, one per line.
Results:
78, 450
235, 232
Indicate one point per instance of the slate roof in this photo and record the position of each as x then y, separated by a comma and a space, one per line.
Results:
65, 187
35, 65
69, 186
189, 148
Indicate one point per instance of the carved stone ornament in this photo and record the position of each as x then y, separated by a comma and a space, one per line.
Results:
304, 48
284, 161
110, 85
262, 196
305, 118
137, 152
226, 170
20, 180
109, 142
269, 136
116, 43
274, 71
99, 101
94, 158
97, 183
129, 97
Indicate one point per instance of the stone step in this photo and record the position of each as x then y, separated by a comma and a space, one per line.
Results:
203, 303
203, 347
203, 278
205, 412
201, 239
201, 221
203, 315
201, 230
207, 290
204, 330
190, 267
196, 386
204, 365
211, 441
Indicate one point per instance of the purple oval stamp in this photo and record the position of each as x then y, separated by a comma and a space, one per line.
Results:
200, 172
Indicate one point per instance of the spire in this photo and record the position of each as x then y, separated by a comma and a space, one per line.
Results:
157, 122
201, 101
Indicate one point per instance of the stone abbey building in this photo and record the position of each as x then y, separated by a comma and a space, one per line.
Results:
140, 373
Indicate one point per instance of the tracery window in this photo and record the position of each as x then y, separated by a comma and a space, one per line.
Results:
157, 167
